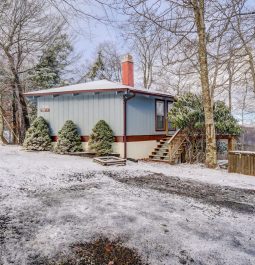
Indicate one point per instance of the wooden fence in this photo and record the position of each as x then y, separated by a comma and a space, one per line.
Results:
241, 162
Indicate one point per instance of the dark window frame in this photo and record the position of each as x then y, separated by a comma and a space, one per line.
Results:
164, 121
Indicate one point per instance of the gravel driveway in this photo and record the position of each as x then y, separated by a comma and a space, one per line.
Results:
49, 203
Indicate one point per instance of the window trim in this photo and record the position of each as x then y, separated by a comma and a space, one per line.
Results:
164, 124
169, 101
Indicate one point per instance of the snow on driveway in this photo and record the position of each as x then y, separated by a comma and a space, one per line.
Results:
49, 201
201, 173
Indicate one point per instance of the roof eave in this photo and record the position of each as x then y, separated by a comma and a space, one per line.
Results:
151, 93
34, 94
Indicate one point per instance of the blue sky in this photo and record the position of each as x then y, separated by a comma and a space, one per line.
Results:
86, 43
92, 33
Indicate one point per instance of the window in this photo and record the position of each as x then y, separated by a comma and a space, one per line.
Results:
160, 115
169, 106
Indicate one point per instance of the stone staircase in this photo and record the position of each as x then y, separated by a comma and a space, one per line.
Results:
170, 149
161, 152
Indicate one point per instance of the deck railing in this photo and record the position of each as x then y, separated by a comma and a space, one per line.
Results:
175, 143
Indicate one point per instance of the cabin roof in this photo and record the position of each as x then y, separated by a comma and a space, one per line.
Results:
95, 86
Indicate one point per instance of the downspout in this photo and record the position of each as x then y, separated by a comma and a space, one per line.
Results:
126, 97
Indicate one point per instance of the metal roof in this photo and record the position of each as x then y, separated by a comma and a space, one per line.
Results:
95, 86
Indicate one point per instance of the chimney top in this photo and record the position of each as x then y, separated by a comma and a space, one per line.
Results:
128, 70
127, 58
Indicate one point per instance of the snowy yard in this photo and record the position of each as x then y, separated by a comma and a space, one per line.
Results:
168, 214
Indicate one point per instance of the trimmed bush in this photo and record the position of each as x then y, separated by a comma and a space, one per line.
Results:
38, 136
101, 139
69, 139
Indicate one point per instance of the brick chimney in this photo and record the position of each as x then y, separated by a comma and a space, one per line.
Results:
128, 71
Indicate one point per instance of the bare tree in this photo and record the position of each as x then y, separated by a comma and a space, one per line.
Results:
211, 155
210, 41
24, 29
185, 22
1, 121
145, 41
105, 64
244, 29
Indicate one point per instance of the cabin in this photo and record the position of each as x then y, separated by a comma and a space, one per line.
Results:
138, 117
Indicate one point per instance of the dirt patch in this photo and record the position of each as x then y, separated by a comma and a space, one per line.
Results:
101, 251
4, 220
242, 200
79, 177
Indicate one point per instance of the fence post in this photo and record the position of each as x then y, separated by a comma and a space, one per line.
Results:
231, 143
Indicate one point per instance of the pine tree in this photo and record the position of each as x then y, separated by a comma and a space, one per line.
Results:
105, 65
97, 69
47, 73
69, 139
101, 139
38, 136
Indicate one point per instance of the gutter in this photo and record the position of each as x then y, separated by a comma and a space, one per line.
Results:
126, 97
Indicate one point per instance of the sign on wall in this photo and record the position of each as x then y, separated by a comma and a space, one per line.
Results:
45, 109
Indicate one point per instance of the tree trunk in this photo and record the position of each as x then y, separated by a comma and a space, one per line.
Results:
14, 117
251, 63
230, 79
2, 138
19, 98
211, 155
1, 123
24, 119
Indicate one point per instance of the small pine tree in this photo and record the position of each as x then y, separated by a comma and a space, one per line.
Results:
38, 136
101, 139
69, 139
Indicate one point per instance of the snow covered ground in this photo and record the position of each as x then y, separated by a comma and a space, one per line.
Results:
49, 201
